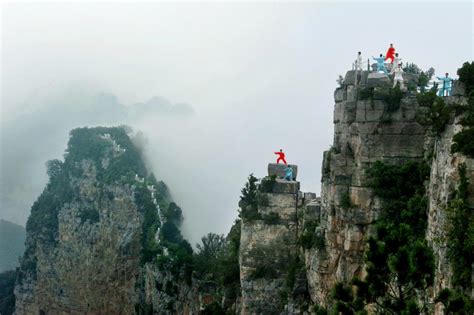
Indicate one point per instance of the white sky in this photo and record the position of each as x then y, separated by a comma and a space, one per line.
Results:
260, 76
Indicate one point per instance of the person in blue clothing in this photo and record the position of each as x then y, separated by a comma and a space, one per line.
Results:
445, 89
381, 64
288, 172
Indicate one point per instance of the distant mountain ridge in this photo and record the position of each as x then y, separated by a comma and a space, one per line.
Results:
12, 244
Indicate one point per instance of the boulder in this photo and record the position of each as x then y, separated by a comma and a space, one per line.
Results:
286, 187
350, 78
279, 170
375, 79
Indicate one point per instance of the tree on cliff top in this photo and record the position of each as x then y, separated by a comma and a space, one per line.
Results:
466, 76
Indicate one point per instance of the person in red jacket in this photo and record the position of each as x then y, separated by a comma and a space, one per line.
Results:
390, 54
281, 157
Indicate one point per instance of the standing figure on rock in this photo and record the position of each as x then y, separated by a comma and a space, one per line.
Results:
397, 61
390, 54
398, 75
359, 62
380, 64
288, 172
281, 157
445, 89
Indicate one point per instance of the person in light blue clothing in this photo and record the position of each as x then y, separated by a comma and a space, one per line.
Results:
445, 89
288, 172
380, 64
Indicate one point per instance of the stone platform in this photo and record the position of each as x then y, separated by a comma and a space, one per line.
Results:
279, 170
286, 187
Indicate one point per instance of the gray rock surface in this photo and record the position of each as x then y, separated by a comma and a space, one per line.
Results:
375, 79
364, 132
267, 252
279, 170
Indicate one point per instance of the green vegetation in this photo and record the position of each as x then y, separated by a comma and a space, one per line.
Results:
173, 213
399, 262
91, 215
366, 94
464, 141
248, 200
466, 76
89, 144
295, 269
150, 224
7, 298
254, 196
271, 218
346, 201
391, 96
319, 310
456, 302
424, 77
460, 234
309, 238
411, 68
438, 112
216, 265
267, 184
263, 272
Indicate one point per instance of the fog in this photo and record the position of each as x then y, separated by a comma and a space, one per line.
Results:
216, 88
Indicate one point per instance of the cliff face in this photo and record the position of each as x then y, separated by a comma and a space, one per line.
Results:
369, 130
93, 236
444, 180
365, 131
270, 265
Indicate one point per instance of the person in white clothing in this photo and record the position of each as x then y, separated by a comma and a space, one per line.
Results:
398, 75
397, 60
358, 62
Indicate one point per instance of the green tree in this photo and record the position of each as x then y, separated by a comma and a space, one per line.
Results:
464, 141
466, 76
460, 233
399, 262
249, 200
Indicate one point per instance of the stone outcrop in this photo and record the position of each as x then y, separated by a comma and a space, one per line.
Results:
268, 250
93, 265
444, 180
90, 231
278, 170
365, 131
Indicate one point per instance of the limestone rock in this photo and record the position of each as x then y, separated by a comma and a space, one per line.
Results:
364, 132
279, 170
375, 79
286, 187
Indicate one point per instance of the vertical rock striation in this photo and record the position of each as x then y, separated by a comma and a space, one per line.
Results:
365, 131
93, 237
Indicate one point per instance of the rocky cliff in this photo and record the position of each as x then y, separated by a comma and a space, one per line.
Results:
365, 131
369, 127
271, 273
103, 236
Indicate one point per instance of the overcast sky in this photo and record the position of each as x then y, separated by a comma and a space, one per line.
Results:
259, 76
